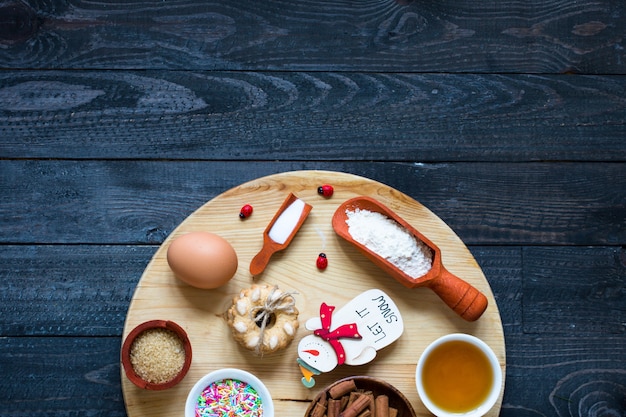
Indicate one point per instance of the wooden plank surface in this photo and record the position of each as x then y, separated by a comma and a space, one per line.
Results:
42, 370
418, 36
574, 357
506, 119
312, 116
160, 295
141, 202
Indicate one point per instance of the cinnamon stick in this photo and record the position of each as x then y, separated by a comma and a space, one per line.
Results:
372, 405
352, 398
356, 407
382, 406
334, 408
344, 402
342, 389
319, 410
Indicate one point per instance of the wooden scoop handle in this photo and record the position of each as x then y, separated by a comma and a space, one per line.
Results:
261, 259
464, 299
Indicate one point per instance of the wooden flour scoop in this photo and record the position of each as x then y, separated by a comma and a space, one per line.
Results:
459, 295
280, 231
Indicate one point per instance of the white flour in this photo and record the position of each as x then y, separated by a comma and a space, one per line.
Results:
387, 238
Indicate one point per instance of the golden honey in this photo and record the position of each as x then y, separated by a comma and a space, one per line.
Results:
457, 376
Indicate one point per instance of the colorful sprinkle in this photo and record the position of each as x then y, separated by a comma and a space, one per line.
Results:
229, 397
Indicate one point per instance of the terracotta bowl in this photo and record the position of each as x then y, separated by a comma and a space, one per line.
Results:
377, 386
128, 342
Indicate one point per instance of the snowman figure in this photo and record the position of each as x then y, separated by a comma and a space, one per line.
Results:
351, 336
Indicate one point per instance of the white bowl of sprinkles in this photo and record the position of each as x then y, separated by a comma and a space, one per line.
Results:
229, 391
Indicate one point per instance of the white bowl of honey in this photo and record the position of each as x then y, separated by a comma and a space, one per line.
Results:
458, 375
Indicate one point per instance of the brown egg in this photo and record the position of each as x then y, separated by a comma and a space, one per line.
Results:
202, 260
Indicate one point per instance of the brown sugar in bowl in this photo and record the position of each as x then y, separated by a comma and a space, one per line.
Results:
169, 329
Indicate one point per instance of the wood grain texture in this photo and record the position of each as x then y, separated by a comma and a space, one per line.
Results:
505, 118
312, 116
567, 272
141, 202
102, 279
68, 290
576, 383
585, 374
159, 295
60, 376
586, 369
383, 35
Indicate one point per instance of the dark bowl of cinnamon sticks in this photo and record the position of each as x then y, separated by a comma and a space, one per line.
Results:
360, 396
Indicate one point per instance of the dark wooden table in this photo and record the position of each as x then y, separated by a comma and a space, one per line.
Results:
505, 118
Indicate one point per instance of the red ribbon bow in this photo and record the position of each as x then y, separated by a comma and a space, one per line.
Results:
344, 331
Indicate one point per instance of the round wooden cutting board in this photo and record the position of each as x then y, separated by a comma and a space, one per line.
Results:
159, 295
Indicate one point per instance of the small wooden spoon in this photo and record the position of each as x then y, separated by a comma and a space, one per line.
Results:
270, 246
459, 295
